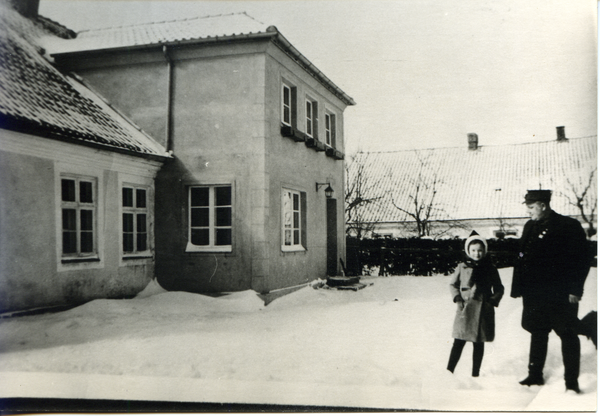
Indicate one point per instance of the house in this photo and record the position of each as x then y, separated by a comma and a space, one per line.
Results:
77, 179
257, 137
473, 187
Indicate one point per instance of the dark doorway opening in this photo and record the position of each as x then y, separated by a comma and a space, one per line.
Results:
332, 246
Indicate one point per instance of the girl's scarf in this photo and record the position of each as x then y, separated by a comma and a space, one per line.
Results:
479, 270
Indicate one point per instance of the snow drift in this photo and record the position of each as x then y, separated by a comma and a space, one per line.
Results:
384, 347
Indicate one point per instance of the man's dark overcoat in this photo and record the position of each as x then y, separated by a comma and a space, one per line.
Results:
553, 260
553, 264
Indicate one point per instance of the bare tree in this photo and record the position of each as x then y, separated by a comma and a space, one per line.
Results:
362, 190
421, 204
421, 201
580, 193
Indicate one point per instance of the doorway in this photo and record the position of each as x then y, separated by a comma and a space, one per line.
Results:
332, 245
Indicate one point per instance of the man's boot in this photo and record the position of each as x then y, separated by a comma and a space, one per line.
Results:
535, 377
573, 385
571, 350
537, 358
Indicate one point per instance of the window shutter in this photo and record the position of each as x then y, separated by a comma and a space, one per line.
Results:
303, 219
293, 107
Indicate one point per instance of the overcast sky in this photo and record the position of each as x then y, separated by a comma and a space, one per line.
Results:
424, 73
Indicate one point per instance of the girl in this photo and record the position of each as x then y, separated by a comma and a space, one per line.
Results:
476, 289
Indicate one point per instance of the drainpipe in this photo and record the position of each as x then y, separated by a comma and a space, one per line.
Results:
169, 126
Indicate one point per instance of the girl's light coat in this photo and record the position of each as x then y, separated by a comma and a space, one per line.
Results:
475, 321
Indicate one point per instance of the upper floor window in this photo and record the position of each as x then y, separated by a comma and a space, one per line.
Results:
210, 218
293, 220
79, 211
330, 129
311, 118
288, 105
135, 220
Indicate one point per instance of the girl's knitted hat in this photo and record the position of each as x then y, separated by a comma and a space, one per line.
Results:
475, 237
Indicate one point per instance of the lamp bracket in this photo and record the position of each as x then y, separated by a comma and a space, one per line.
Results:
318, 185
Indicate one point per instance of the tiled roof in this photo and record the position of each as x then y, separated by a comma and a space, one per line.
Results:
230, 25
489, 182
36, 98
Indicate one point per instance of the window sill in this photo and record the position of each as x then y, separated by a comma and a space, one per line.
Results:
190, 248
287, 249
138, 257
80, 260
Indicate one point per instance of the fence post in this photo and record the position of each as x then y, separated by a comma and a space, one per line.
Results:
382, 265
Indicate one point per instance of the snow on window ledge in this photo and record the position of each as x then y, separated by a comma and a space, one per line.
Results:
191, 248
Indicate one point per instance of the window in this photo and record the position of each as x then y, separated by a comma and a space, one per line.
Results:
330, 129
385, 235
78, 208
293, 220
311, 118
288, 105
210, 218
135, 220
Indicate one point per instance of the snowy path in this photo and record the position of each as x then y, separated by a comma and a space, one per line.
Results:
312, 347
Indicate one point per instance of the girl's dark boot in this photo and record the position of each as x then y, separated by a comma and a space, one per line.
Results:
455, 353
478, 349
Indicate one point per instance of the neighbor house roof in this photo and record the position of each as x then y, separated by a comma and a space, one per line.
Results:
489, 182
38, 99
206, 29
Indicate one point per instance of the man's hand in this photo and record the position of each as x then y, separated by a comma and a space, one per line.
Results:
574, 299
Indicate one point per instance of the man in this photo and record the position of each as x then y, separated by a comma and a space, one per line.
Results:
549, 275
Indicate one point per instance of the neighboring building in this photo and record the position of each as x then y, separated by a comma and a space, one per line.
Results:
76, 180
476, 187
254, 128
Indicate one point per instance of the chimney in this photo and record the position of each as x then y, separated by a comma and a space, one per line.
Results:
560, 134
473, 141
28, 8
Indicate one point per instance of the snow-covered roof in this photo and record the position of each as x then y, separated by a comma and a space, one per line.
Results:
489, 182
36, 98
196, 30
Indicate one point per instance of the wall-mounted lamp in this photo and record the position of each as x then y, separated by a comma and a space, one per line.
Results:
328, 190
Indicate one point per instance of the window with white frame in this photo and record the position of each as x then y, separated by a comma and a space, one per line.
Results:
311, 118
210, 218
293, 220
135, 219
288, 105
79, 211
330, 129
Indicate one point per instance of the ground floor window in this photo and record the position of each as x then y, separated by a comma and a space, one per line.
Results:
79, 212
135, 219
293, 220
210, 218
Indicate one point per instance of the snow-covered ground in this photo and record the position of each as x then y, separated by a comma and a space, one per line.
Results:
385, 346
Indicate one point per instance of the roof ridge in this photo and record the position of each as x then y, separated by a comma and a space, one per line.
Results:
55, 27
464, 147
168, 21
